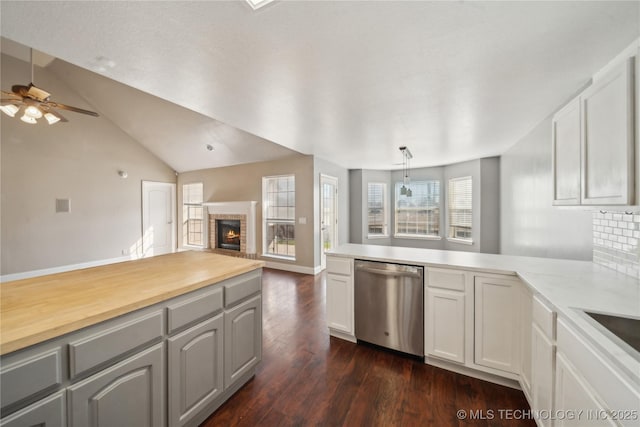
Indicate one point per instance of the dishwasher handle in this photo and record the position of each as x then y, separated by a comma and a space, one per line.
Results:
404, 273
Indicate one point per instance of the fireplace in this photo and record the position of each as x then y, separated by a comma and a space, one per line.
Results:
228, 234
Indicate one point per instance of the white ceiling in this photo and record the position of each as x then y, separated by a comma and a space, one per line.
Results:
346, 81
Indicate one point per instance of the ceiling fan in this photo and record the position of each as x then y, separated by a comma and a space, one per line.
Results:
34, 103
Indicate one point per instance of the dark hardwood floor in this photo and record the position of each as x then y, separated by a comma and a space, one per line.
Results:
308, 378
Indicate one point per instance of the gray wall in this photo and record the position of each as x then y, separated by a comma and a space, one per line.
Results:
78, 160
486, 198
244, 182
529, 224
359, 182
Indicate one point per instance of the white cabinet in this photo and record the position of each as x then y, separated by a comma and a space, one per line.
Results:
445, 314
565, 152
340, 297
525, 339
608, 139
573, 397
542, 373
497, 323
444, 321
542, 359
593, 143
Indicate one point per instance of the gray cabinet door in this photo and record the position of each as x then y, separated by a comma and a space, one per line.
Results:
195, 369
130, 393
47, 412
243, 339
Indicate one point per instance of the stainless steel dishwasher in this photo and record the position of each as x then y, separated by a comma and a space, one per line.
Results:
389, 305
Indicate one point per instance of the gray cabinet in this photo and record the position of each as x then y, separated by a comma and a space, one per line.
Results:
128, 393
195, 369
243, 339
172, 363
47, 412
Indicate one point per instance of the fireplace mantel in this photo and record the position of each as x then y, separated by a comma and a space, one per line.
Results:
247, 208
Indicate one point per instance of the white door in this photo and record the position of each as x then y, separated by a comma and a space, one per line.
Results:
328, 216
158, 214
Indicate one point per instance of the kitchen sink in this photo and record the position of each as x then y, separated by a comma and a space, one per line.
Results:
625, 328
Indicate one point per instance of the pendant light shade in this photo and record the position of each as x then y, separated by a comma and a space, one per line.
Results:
405, 190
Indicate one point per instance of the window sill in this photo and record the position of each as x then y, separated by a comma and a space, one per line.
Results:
377, 236
460, 241
414, 237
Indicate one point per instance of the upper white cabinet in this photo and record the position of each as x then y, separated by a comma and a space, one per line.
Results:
565, 153
608, 139
593, 143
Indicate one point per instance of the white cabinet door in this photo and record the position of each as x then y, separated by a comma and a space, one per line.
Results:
497, 323
542, 373
340, 303
526, 303
565, 150
444, 324
608, 139
573, 399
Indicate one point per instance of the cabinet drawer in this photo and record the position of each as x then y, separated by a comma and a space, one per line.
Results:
339, 266
189, 311
49, 412
239, 288
108, 344
446, 279
544, 317
23, 378
613, 390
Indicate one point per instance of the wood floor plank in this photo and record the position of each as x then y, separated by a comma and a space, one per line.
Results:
308, 378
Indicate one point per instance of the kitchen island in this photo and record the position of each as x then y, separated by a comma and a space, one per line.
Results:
518, 321
157, 341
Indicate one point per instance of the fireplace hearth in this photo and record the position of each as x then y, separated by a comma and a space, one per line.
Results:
228, 234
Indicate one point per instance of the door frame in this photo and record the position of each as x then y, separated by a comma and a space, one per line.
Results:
145, 187
324, 178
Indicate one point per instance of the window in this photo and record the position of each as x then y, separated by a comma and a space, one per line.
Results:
418, 215
192, 215
377, 210
459, 209
279, 213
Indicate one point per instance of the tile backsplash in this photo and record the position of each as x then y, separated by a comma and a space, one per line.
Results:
615, 241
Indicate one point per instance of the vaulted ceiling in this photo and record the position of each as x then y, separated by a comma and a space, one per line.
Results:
346, 81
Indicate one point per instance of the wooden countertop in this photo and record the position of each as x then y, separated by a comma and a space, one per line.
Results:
40, 308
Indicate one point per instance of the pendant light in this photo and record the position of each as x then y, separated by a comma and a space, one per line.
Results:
405, 190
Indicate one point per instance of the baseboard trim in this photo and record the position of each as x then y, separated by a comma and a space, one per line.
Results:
292, 267
62, 269
474, 373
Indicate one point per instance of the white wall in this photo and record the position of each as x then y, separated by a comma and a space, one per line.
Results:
78, 160
529, 224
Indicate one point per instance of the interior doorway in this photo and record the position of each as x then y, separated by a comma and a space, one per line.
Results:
328, 216
158, 218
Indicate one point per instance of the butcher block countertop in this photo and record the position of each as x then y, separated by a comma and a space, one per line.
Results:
40, 308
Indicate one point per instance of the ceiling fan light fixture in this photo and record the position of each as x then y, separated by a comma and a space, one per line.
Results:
28, 119
33, 111
51, 118
9, 109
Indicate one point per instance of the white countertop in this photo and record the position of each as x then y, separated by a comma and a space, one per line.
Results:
567, 285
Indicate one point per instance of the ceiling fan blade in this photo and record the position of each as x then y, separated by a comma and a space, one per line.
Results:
69, 108
16, 101
11, 95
